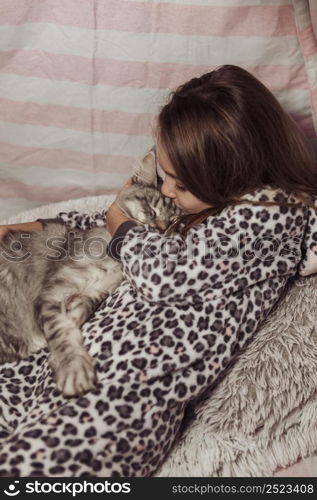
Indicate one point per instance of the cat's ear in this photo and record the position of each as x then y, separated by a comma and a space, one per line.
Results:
144, 171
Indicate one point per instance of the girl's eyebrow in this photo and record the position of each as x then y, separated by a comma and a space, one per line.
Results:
171, 175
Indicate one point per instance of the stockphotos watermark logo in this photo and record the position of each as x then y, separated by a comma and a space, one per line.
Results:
12, 489
164, 248
76, 488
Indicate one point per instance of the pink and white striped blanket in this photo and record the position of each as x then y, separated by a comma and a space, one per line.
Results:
81, 82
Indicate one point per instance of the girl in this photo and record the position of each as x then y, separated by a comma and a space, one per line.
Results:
191, 298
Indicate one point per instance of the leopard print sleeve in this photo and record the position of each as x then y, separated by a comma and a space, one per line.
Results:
169, 268
79, 220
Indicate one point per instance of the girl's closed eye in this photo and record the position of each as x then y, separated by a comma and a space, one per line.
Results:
180, 188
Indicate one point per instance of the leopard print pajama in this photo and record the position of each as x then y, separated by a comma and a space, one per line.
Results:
181, 313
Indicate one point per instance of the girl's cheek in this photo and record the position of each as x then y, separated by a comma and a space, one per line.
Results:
184, 204
190, 206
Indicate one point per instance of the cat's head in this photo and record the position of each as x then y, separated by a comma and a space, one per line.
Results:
147, 205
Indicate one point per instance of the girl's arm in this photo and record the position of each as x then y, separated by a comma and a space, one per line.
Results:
74, 219
118, 224
115, 217
71, 219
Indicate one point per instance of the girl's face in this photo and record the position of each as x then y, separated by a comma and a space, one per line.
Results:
173, 188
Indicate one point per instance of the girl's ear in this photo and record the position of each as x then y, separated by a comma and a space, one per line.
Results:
144, 171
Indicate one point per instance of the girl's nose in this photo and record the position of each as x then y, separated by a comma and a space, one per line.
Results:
167, 190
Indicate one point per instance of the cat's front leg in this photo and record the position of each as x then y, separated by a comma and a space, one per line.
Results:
75, 373
80, 307
73, 366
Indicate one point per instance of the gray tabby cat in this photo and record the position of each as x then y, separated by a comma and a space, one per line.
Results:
51, 281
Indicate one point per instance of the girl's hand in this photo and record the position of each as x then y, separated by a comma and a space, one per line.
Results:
3, 231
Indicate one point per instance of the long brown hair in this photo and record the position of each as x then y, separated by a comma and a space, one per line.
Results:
226, 135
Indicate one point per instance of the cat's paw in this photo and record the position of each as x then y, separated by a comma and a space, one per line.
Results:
77, 376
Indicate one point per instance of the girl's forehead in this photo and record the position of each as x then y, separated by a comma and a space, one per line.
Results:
160, 151
163, 163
